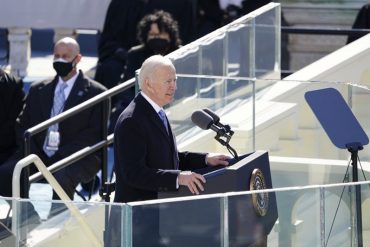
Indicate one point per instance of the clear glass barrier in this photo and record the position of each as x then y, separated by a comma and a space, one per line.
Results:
236, 49
318, 216
6, 235
270, 115
180, 223
307, 216
267, 45
219, 94
46, 223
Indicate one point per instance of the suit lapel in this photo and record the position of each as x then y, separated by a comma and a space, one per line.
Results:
154, 117
156, 120
78, 92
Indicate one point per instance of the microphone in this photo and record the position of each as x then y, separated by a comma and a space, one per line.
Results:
202, 119
205, 121
216, 120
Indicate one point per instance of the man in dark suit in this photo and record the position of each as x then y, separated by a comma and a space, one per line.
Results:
70, 135
146, 157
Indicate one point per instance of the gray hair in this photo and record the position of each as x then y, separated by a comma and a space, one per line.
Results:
150, 65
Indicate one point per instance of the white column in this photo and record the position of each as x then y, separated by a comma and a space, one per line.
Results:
19, 50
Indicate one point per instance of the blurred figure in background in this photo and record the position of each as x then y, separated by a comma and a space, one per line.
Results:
362, 21
215, 14
12, 99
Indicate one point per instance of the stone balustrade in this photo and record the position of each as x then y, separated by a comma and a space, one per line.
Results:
63, 16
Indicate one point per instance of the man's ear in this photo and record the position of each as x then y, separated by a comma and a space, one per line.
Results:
148, 84
77, 59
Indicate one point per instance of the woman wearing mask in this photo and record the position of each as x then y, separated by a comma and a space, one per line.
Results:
158, 33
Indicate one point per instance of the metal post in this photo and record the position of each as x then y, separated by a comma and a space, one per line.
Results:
322, 217
224, 231
104, 153
252, 74
354, 157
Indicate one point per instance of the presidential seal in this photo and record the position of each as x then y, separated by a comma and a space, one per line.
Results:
260, 200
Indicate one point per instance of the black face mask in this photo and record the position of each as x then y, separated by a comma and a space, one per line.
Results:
63, 68
158, 45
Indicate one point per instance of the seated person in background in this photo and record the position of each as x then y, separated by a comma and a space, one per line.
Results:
158, 33
11, 103
48, 98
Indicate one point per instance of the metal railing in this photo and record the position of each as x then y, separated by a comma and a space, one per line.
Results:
324, 31
351, 33
34, 159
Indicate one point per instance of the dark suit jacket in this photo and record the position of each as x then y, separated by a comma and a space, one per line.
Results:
11, 103
77, 132
145, 155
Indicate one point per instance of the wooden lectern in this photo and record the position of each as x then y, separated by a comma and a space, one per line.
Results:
250, 217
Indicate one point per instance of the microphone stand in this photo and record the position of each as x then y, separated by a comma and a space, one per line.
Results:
223, 136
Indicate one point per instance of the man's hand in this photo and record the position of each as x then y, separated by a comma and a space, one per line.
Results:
215, 160
193, 181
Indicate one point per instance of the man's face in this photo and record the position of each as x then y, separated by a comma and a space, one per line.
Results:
162, 85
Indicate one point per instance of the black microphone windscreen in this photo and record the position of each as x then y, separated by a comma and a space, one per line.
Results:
202, 119
216, 119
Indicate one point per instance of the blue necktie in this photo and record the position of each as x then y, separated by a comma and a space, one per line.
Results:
162, 115
58, 105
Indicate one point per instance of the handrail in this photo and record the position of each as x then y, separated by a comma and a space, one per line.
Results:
323, 31
58, 189
80, 107
351, 33
72, 158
